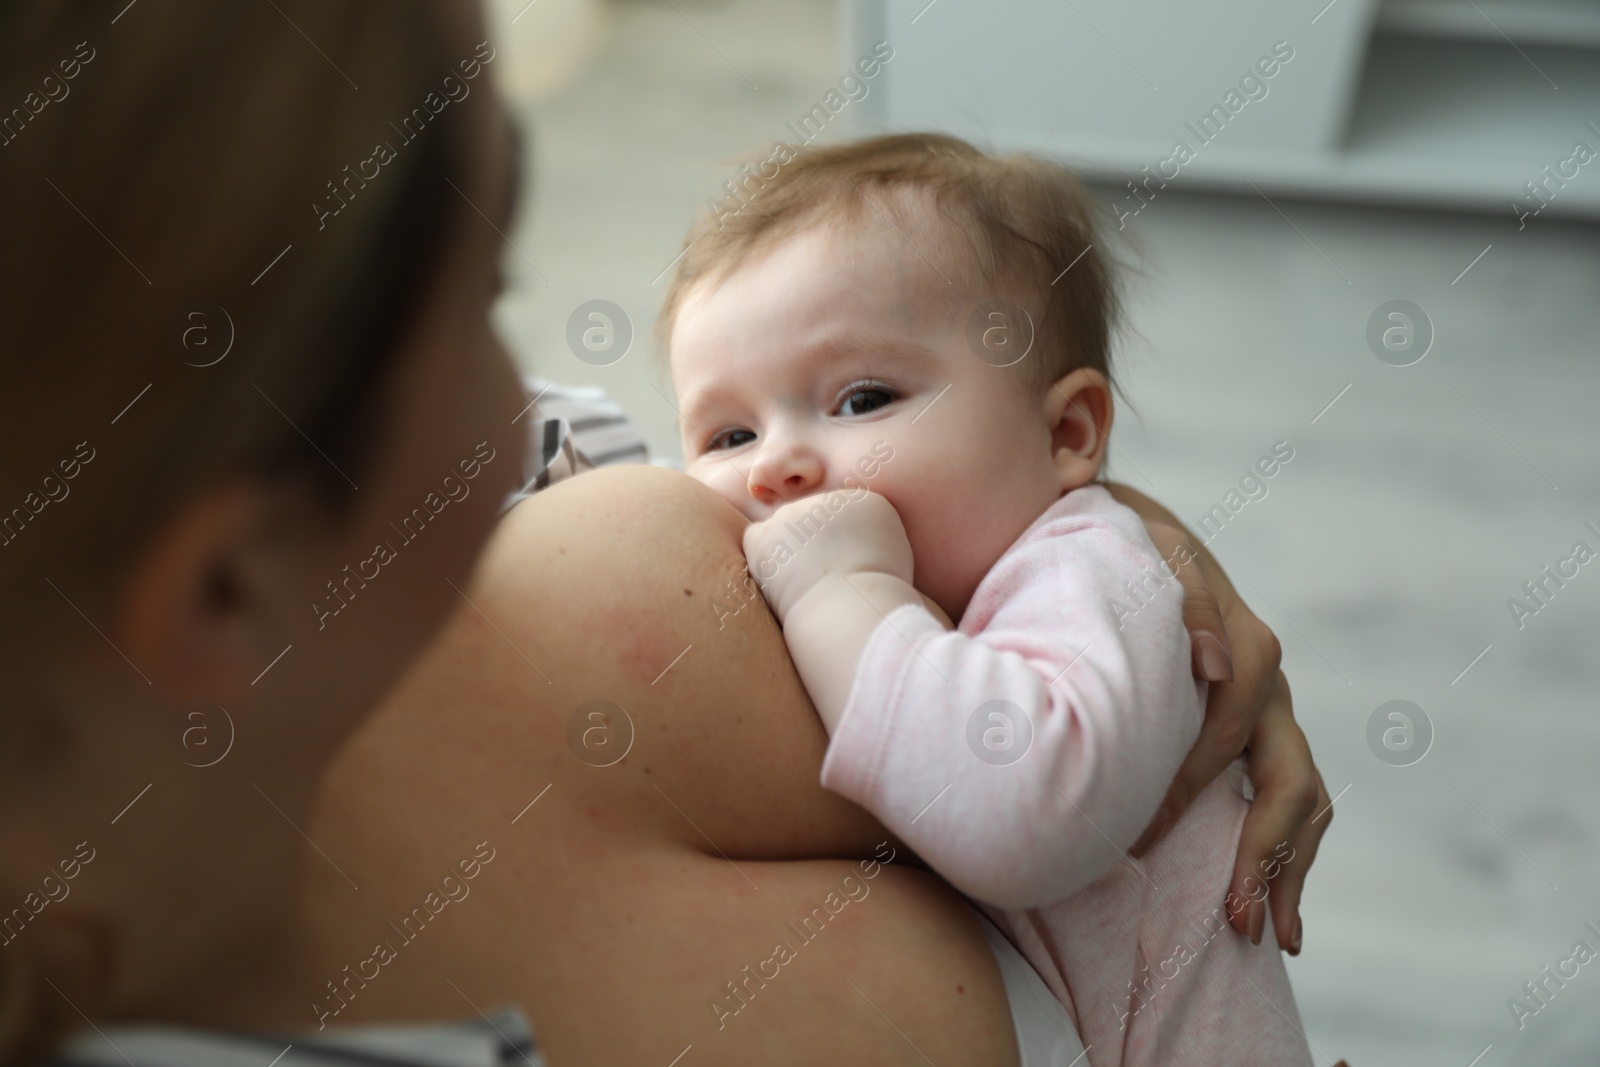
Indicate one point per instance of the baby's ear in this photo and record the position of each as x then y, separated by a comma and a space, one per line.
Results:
1079, 409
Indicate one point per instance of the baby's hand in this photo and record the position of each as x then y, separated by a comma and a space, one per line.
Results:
840, 533
832, 567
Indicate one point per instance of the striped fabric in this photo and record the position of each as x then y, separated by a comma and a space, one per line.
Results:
497, 1040
571, 429
601, 430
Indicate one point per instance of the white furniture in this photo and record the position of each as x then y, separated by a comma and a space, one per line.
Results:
1446, 103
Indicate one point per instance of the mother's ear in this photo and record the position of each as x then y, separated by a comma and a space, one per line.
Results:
1079, 409
203, 607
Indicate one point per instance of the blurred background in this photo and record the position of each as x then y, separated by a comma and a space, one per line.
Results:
1384, 255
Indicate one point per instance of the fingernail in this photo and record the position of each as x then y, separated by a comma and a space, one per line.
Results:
1258, 921
1294, 942
1212, 657
1152, 834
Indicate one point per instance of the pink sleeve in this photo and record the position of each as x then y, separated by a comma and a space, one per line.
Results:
1105, 692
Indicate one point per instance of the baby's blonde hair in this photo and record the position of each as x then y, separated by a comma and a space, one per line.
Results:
1029, 221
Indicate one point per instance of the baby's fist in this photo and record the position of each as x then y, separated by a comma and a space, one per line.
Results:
842, 532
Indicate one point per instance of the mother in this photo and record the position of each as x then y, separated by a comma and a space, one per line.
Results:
256, 431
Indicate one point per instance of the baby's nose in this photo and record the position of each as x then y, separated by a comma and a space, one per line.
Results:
784, 474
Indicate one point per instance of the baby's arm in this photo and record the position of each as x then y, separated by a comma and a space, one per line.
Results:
1111, 708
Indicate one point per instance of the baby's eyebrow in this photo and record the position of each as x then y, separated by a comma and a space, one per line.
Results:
822, 354
690, 407
894, 348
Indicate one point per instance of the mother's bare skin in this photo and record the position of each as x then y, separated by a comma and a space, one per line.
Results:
616, 908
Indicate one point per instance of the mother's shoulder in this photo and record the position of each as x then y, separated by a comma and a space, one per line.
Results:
616, 506
626, 555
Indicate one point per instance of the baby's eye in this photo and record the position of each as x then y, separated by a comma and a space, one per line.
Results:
729, 439
864, 398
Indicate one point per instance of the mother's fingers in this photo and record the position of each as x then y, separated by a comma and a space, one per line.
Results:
1233, 710
1202, 611
1283, 828
1286, 891
1307, 840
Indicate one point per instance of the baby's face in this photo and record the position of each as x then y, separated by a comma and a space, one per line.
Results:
841, 353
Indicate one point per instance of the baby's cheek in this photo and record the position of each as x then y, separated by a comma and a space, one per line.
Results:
709, 472
728, 483
927, 524
952, 547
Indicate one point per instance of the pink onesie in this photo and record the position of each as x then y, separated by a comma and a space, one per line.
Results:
1023, 752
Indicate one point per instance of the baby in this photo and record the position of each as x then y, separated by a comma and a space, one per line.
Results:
894, 360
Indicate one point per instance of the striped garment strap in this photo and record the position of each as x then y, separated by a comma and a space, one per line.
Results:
572, 429
498, 1039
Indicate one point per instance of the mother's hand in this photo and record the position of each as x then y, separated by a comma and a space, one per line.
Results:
1248, 708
